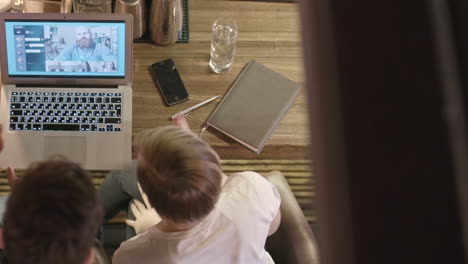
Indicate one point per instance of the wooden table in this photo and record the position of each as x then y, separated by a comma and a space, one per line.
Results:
268, 32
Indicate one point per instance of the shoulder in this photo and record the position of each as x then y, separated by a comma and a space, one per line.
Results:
66, 52
251, 192
101, 48
250, 182
245, 177
69, 47
130, 249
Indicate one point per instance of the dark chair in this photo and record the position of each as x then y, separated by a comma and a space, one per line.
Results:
294, 241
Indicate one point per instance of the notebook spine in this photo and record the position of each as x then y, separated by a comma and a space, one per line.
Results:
254, 149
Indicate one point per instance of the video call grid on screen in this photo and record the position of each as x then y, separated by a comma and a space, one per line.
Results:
80, 49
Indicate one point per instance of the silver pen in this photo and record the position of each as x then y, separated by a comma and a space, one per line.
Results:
190, 109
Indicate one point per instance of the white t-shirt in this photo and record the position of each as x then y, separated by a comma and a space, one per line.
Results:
234, 232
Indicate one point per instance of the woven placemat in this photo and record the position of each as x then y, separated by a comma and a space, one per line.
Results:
298, 173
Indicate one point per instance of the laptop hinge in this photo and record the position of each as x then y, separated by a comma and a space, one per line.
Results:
64, 86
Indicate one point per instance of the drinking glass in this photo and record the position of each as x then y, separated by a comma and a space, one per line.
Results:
223, 44
137, 9
92, 6
165, 21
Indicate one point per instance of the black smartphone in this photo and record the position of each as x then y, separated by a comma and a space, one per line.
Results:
170, 84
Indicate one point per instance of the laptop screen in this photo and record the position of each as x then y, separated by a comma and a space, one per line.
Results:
65, 48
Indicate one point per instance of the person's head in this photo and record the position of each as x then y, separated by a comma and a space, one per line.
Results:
109, 65
52, 215
56, 66
61, 41
180, 173
107, 42
86, 66
48, 45
83, 37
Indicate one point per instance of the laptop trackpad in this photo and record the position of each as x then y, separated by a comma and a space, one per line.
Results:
72, 148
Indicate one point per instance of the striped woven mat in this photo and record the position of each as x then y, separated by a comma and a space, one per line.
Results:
298, 173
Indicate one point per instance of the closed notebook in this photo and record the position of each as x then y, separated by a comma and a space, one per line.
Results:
254, 106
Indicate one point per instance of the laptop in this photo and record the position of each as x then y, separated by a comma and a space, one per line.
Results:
66, 89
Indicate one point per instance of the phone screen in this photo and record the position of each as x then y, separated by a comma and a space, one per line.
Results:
169, 82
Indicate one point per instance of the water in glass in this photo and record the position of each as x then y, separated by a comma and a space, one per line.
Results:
223, 45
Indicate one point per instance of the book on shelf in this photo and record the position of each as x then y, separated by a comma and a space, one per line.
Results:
254, 106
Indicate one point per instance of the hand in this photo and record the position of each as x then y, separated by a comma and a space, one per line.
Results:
181, 122
145, 215
11, 176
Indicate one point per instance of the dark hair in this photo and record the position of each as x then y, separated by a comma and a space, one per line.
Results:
180, 174
87, 67
52, 215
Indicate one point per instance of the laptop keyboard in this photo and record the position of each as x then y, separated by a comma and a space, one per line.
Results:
58, 111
